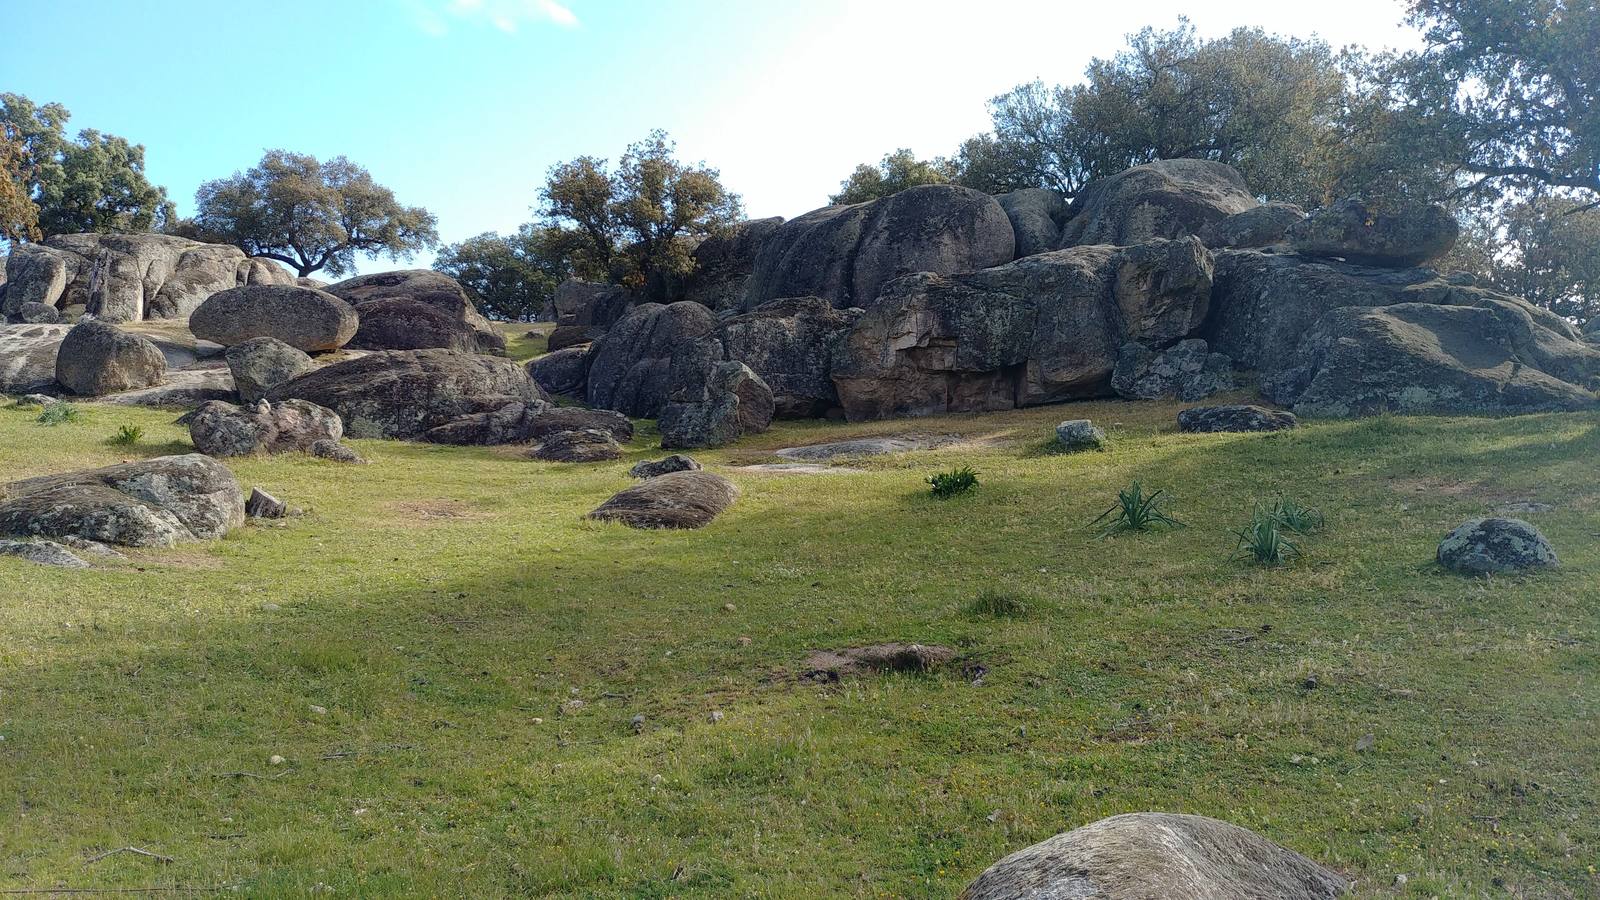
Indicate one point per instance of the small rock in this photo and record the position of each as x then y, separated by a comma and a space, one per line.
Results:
677, 462
263, 505
716, 716
276, 760
1310, 683
584, 445
729, 607
637, 723
270, 607
1496, 546
572, 706
45, 553
744, 641
1080, 434
38, 400
336, 451
319, 710
1365, 742
1237, 417
1401, 879
538, 720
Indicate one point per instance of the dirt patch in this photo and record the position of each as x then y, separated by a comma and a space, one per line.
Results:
436, 510
834, 665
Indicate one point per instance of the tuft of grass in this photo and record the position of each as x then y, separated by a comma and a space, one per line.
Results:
1292, 515
952, 483
126, 436
1262, 541
59, 413
999, 605
1136, 511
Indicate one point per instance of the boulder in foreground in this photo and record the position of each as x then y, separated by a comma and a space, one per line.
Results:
222, 429
675, 500
1156, 856
1496, 546
151, 503
1235, 417
96, 359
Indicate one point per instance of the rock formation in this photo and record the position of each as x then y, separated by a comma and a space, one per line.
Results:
416, 309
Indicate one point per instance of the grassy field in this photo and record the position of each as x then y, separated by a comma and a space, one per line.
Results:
411, 645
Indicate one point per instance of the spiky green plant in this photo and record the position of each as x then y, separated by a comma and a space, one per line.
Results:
58, 413
1292, 515
956, 481
1262, 541
127, 435
1135, 511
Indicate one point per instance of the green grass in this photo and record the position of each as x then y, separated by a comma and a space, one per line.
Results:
443, 604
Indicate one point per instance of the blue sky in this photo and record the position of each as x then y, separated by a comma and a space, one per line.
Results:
462, 105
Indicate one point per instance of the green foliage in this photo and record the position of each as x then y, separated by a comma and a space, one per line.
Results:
999, 605
94, 183
309, 215
509, 277
127, 435
1292, 515
1262, 541
945, 485
58, 413
1135, 511
634, 225
894, 173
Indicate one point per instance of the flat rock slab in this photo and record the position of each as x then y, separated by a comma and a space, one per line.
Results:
45, 553
875, 446
674, 500
798, 469
189, 387
150, 503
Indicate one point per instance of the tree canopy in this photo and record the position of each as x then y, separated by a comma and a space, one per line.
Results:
895, 172
312, 216
510, 277
634, 225
93, 183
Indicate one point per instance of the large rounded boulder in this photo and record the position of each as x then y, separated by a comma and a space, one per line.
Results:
150, 503
416, 309
1037, 215
630, 368
723, 263
96, 359
1396, 235
304, 318
262, 363
688, 499
222, 429
845, 254
1496, 546
1171, 198
404, 393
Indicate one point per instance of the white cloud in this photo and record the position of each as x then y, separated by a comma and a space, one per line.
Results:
434, 17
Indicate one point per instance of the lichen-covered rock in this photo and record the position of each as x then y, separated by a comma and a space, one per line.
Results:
336, 451
1235, 417
584, 445
1170, 198
790, 343
416, 309
1398, 235
677, 462
38, 314
676, 500
120, 277
1496, 546
1260, 226
845, 254
1185, 371
586, 303
1039, 330
150, 503
404, 393
28, 357
263, 363
45, 553
1156, 856
1079, 434
711, 409
561, 371
1037, 215
96, 358
222, 429
517, 422
723, 263
304, 318
630, 368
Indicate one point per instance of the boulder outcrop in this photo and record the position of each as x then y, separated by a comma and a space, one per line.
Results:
95, 358
151, 503
304, 318
416, 309
1037, 216
790, 344
630, 368
1396, 234
223, 429
263, 363
723, 263
715, 407
1171, 198
1185, 371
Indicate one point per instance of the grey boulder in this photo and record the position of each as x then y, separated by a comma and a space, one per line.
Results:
38, 314
790, 343
711, 409
1496, 546
1079, 434
675, 500
583, 445
1234, 417
1156, 856
45, 553
1397, 235
1037, 216
1170, 198
151, 503
630, 368
416, 309
723, 263
262, 363
222, 429
1186, 371
28, 357
96, 358
677, 462
561, 371
304, 318
1261, 226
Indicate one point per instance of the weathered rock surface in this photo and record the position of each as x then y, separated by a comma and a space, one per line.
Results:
1235, 417
1042, 329
416, 309
1169, 199
630, 368
517, 422
222, 429
404, 393
677, 462
1399, 235
1186, 371
38, 314
1260, 226
711, 409
151, 503
876, 446
1496, 546
45, 553
845, 254
572, 337
562, 371
596, 306
336, 451
28, 357
1145, 856
1496, 356
790, 343
675, 500
1037, 216
262, 363
723, 263
262, 505
1079, 434
187, 388
584, 445
96, 358
304, 318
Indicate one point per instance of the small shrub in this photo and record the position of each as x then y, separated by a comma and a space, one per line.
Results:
998, 605
1292, 515
1135, 511
1262, 541
956, 481
127, 435
57, 413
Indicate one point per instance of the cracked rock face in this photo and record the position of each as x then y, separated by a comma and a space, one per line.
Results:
151, 503
1496, 546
